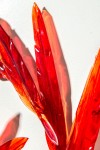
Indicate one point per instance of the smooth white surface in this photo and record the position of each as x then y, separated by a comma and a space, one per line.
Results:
78, 26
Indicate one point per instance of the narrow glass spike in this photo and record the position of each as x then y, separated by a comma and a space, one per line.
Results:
87, 122
10, 130
60, 66
48, 81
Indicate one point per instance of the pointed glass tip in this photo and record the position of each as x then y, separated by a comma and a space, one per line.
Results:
34, 4
18, 115
44, 8
35, 7
49, 131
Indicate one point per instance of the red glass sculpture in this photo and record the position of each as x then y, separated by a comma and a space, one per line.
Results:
44, 86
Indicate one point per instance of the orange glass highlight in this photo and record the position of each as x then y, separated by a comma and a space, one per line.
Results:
15, 144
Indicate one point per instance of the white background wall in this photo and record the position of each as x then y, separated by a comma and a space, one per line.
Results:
78, 26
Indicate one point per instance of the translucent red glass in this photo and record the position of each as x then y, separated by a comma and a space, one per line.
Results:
38, 85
